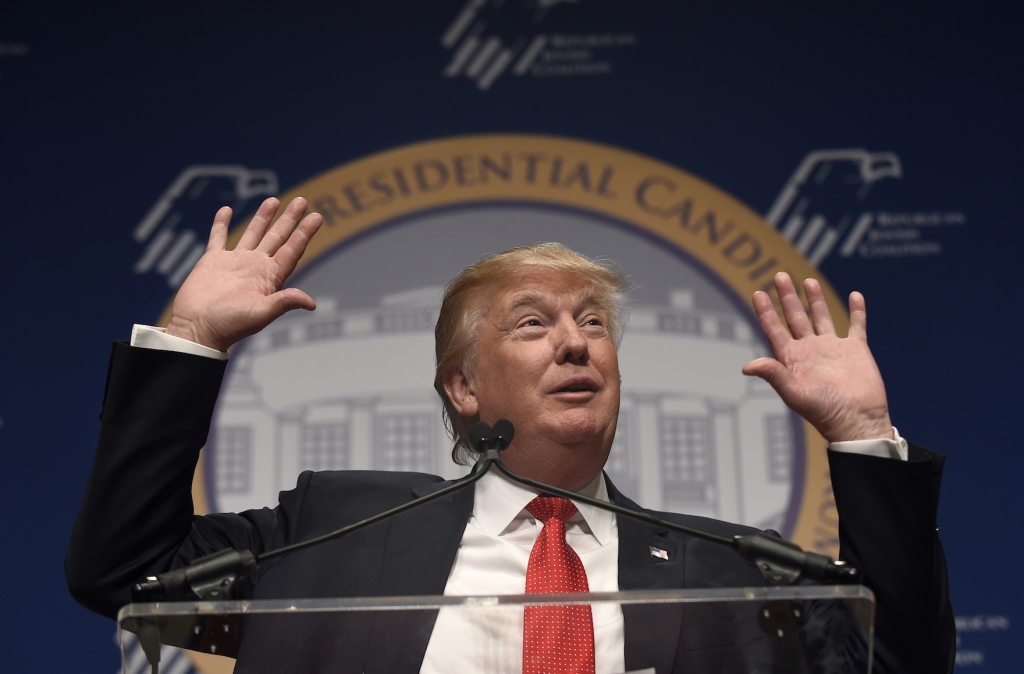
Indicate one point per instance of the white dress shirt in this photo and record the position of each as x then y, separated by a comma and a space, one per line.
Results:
495, 550
492, 559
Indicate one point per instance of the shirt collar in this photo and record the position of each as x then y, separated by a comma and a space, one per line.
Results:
498, 501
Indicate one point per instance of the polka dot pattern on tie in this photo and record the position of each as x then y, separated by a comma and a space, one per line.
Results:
556, 638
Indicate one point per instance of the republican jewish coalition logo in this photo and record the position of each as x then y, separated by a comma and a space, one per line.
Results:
349, 386
829, 205
489, 38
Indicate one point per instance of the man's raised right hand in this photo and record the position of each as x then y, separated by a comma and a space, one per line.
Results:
232, 294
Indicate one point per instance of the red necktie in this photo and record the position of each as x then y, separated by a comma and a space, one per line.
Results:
556, 638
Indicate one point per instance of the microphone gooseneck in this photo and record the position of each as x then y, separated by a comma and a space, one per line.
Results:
779, 561
210, 578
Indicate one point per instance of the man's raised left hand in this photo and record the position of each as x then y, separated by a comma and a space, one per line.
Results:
831, 381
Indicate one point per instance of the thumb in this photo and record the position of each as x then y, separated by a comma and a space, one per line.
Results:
769, 369
285, 300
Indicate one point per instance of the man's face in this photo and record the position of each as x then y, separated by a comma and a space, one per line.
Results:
544, 359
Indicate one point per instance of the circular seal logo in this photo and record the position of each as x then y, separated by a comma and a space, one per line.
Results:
349, 386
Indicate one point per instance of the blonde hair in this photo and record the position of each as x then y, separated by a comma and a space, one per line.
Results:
465, 301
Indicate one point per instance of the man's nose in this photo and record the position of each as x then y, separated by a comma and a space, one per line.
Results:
571, 344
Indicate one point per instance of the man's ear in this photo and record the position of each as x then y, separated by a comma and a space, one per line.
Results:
462, 393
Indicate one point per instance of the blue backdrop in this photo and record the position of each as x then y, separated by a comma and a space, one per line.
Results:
101, 108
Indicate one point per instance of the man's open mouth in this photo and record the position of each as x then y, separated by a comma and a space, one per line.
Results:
582, 385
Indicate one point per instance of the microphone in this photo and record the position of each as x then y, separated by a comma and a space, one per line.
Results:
480, 435
483, 437
208, 578
502, 433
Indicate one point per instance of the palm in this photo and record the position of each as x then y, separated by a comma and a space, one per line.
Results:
233, 294
830, 381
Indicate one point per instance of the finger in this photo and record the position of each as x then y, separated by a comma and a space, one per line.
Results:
288, 255
820, 314
858, 316
258, 225
792, 307
285, 300
284, 226
776, 333
771, 370
219, 231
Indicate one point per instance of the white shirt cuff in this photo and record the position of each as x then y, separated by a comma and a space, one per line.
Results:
148, 337
883, 447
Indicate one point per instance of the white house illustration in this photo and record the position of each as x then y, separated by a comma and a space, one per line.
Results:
352, 389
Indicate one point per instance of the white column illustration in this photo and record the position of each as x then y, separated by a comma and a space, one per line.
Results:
728, 485
649, 454
289, 430
362, 436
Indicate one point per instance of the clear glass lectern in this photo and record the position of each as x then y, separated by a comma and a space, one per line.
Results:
812, 629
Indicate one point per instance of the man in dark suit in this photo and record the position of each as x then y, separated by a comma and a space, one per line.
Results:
529, 335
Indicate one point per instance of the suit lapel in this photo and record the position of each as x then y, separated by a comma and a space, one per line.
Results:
422, 543
419, 555
651, 631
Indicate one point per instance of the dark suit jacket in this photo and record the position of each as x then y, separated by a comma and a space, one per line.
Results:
137, 520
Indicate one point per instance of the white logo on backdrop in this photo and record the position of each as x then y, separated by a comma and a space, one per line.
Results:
825, 204
966, 657
488, 38
172, 246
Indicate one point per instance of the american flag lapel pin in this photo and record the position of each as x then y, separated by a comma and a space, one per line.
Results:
658, 553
